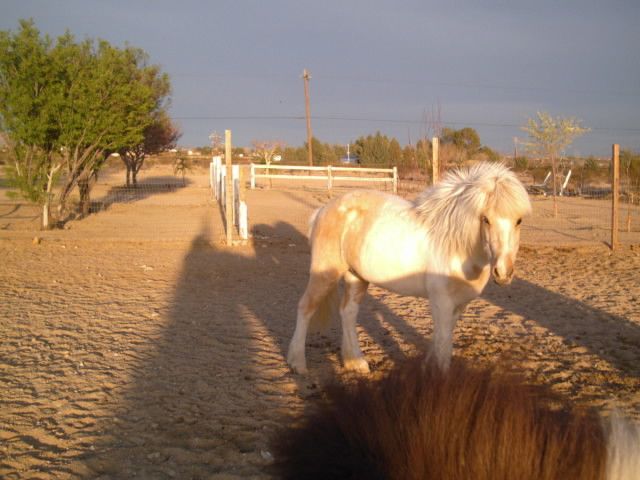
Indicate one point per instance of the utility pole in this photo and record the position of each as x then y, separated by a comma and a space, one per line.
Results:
306, 77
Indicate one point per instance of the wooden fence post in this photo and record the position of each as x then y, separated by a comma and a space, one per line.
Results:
329, 178
228, 209
435, 159
615, 190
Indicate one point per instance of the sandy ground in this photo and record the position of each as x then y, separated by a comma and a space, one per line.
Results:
135, 345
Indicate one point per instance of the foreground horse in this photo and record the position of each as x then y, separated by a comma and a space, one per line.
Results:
443, 246
423, 423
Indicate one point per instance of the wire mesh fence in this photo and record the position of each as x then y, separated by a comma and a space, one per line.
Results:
166, 206
162, 206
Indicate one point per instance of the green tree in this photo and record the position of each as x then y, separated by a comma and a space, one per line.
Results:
395, 152
630, 165
548, 138
376, 150
29, 98
159, 136
488, 154
458, 146
65, 107
325, 153
294, 155
107, 106
408, 161
466, 139
424, 154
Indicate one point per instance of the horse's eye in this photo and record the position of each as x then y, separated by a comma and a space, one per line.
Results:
485, 220
519, 221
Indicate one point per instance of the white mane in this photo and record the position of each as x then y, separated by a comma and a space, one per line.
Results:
451, 210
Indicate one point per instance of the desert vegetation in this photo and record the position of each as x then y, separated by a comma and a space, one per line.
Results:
66, 105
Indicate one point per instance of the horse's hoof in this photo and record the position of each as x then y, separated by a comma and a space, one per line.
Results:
359, 365
298, 367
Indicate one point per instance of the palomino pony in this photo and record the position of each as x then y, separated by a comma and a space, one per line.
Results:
444, 246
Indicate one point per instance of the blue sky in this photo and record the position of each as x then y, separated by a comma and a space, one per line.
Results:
376, 65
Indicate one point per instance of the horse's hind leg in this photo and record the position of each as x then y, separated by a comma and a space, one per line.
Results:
319, 286
354, 290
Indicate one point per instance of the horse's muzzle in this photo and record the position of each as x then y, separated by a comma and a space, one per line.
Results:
502, 279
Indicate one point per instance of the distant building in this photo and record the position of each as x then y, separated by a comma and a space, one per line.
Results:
350, 160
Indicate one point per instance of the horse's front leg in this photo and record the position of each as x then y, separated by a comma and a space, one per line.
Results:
354, 290
445, 312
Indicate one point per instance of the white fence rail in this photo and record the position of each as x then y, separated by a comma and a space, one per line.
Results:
327, 173
219, 185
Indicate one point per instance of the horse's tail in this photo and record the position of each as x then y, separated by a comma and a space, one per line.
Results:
623, 449
326, 312
328, 307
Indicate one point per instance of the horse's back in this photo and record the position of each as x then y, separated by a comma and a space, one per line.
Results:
339, 228
373, 234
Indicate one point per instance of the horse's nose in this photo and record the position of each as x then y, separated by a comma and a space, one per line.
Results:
503, 278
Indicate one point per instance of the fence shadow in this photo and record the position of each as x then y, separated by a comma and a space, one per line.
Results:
216, 383
144, 189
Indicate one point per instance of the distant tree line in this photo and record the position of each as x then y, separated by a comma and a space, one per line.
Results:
379, 150
66, 105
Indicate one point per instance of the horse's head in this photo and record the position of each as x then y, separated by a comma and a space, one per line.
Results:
501, 240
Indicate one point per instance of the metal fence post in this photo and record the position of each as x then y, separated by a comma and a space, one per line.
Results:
228, 188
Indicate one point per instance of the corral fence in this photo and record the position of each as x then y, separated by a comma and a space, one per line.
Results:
329, 174
603, 209
171, 205
218, 177
228, 187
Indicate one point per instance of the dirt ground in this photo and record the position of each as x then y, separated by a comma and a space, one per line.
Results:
133, 344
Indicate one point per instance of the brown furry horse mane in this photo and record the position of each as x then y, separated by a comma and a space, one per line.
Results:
420, 423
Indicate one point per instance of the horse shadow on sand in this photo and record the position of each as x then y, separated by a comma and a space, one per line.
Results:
608, 336
216, 385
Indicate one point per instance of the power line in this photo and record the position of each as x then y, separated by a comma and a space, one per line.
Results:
421, 82
380, 120
483, 86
